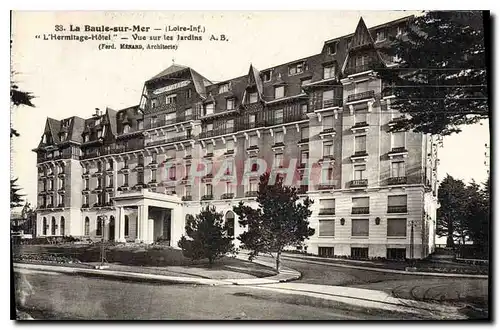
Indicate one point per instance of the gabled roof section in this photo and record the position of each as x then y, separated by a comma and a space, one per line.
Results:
254, 79
200, 83
111, 114
171, 69
362, 36
76, 129
362, 39
53, 126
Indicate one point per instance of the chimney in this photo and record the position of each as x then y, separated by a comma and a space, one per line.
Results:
98, 112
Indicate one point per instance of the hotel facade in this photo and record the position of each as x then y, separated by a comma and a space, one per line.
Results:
135, 174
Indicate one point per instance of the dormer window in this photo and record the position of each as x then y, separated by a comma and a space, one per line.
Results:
154, 103
62, 136
401, 30
266, 76
97, 122
99, 134
170, 99
44, 138
252, 97
230, 104
279, 92
297, 68
126, 128
380, 35
329, 71
140, 124
332, 48
209, 109
85, 138
189, 93
224, 88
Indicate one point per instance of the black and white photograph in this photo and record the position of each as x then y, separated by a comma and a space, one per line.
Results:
250, 165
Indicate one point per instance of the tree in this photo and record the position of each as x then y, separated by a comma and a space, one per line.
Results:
209, 236
478, 215
279, 221
440, 80
15, 198
452, 210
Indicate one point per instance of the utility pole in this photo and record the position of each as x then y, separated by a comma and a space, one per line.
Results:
103, 264
412, 255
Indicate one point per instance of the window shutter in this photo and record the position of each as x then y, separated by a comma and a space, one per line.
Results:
360, 227
400, 200
396, 227
361, 202
327, 228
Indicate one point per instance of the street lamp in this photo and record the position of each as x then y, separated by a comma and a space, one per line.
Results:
103, 264
412, 245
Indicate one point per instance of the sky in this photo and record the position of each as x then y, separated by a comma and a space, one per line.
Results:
73, 78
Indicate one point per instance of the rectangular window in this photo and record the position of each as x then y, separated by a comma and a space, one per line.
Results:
278, 137
189, 93
251, 120
125, 179
360, 227
380, 35
278, 116
396, 227
266, 76
360, 205
187, 191
252, 97
304, 133
170, 99
332, 48
223, 88
209, 109
172, 173
210, 148
154, 103
327, 95
326, 251
360, 253
230, 124
360, 143
360, 116
86, 199
360, 87
328, 122
303, 108
359, 172
279, 92
230, 145
253, 185
230, 104
327, 148
209, 189
398, 140
153, 174
188, 112
328, 72
296, 68
398, 169
170, 117
278, 160
229, 187
304, 156
397, 204
326, 228
209, 127
253, 140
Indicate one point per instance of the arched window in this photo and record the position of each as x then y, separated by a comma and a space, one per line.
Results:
54, 226
62, 226
230, 223
86, 230
44, 226
126, 225
98, 229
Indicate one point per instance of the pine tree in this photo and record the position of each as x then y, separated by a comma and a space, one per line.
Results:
452, 209
15, 198
279, 221
208, 236
440, 80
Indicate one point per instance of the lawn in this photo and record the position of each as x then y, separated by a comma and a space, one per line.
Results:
156, 260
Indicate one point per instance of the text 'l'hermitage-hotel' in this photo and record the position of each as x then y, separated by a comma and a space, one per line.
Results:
106, 177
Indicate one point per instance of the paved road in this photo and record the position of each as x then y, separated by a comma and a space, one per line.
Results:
58, 296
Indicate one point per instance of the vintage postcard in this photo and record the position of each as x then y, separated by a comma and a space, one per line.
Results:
250, 165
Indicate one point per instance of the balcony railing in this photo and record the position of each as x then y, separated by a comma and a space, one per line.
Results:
187, 198
358, 68
327, 211
207, 197
227, 196
397, 209
102, 151
251, 193
326, 186
216, 132
395, 120
397, 180
329, 103
360, 154
169, 140
398, 150
360, 210
360, 124
359, 183
361, 96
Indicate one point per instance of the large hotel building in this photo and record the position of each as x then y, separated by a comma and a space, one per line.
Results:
135, 174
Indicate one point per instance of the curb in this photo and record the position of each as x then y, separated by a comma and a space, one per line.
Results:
383, 270
284, 276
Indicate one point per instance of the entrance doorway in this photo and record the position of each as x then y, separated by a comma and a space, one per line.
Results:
111, 235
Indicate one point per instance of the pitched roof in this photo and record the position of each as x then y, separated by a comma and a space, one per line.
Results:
171, 69
76, 130
112, 120
54, 127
